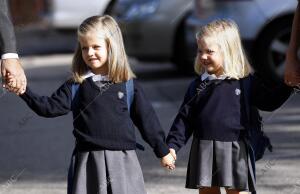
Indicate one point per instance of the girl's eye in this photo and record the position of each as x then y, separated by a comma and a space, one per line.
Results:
210, 51
83, 48
96, 47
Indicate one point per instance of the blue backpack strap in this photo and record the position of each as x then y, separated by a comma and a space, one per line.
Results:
130, 96
195, 86
246, 87
130, 93
75, 87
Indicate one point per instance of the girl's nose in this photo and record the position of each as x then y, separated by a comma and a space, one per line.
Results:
90, 51
203, 56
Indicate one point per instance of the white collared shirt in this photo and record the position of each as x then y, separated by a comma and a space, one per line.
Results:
208, 76
10, 56
96, 77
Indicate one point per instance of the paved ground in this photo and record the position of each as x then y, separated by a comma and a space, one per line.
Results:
35, 151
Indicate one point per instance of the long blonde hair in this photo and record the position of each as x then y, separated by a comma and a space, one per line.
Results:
226, 35
118, 67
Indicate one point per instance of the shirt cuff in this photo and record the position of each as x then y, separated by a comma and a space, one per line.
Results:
10, 56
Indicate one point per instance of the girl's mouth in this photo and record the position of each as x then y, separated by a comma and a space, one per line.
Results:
94, 59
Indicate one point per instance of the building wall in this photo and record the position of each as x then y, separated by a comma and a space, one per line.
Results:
26, 12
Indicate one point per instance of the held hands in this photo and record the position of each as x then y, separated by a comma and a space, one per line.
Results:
168, 161
13, 76
173, 153
10, 85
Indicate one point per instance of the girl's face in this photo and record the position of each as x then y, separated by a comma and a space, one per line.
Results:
210, 56
94, 52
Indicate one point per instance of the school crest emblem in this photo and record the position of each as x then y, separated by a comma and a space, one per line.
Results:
120, 95
237, 92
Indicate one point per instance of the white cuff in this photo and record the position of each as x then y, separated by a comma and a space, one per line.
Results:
10, 56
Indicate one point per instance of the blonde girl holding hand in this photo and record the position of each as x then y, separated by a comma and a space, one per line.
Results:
104, 160
213, 111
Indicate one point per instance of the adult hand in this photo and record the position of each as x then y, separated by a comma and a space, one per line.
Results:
13, 67
292, 71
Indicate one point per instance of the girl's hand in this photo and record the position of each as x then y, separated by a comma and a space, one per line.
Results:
168, 161
173, 153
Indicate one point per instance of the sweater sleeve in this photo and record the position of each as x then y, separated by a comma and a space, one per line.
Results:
59, 103
267, 96
181, 129
144, 117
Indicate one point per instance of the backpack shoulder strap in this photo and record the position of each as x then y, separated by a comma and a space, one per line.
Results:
193, 89
75, 87
130, 96
129, 92
246, 87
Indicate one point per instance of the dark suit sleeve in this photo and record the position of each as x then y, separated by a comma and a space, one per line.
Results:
144, 117
7, 34
268, 96
181, 129
59, 103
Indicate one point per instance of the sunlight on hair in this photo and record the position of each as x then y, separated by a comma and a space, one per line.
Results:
225, 33
118, 66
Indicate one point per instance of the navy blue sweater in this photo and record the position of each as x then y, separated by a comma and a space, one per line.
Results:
214, 110
101, 119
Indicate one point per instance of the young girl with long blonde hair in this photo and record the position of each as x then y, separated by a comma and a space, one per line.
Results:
104, 160
213, 111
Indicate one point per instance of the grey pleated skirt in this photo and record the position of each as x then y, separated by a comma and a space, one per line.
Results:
105, 172
220, 164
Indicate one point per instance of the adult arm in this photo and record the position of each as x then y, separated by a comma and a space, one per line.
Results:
7, 34
292, 72
268, 96
10, 63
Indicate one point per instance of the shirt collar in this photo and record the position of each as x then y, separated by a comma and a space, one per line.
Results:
208, 76
96, 77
